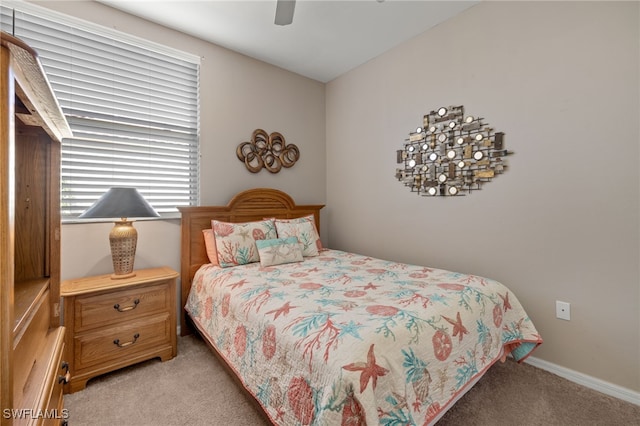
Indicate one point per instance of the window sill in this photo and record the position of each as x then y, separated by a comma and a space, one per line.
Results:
167, 217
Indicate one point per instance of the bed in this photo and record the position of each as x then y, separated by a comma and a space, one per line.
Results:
336, 337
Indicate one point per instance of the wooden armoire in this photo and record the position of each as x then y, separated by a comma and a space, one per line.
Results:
32, 368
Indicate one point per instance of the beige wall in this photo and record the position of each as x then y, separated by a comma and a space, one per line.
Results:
561, 80
237, 95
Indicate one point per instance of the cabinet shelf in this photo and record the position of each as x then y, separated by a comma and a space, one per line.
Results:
27, 295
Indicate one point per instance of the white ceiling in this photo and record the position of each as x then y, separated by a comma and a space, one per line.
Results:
326, 39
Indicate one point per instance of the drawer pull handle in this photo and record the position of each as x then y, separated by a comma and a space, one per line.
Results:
124, 345
128, 308
64, 379
64, 365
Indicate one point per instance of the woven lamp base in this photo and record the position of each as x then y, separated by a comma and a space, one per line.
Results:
123, 239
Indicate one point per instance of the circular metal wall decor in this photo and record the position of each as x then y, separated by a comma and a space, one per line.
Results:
267, 151
451, 154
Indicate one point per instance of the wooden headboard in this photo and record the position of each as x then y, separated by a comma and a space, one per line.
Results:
246, 206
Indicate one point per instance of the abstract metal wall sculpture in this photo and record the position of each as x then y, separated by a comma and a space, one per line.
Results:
268, 151
451, 154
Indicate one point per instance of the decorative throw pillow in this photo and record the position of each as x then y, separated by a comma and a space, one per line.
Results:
279, 251
304, 228
236, 242
210, 245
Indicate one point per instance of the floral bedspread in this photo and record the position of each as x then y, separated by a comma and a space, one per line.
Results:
346, 339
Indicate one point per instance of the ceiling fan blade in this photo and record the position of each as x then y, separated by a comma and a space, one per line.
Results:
284, 12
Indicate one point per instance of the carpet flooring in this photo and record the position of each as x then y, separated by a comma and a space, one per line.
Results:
193, 389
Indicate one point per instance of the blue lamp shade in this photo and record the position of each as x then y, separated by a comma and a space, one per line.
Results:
121, 203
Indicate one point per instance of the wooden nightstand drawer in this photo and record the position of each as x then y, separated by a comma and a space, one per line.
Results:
120, 306
114, 344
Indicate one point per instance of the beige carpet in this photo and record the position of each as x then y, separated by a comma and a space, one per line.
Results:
193, 389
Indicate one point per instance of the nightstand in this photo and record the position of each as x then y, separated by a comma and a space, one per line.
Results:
113, 323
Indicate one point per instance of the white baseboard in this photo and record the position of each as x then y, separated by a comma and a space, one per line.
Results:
588, 381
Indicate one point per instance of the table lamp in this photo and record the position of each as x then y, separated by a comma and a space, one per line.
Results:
123, 238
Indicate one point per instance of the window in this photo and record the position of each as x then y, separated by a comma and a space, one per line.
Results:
132, 107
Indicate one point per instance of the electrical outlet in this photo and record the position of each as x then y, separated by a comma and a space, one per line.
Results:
563, 310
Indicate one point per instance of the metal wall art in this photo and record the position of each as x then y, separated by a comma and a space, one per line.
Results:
268, 151
451, 154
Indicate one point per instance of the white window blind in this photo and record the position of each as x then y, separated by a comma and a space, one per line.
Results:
132, 107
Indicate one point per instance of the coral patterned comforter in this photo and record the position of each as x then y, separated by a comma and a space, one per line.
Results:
346, 339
